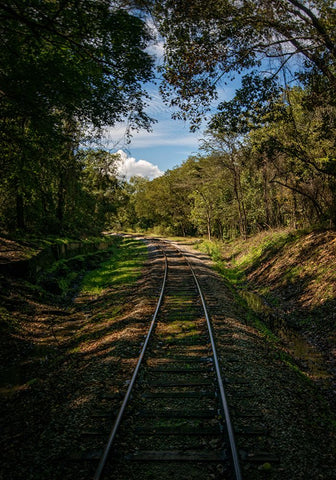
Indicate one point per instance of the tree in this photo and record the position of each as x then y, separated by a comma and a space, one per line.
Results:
101, 182
86, 60
227, 149
64, 67
255, 104
299, 149
206, 41
206, 179
164, 201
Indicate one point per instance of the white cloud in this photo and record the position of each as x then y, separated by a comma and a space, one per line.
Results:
164, 134
157, 50
130, 167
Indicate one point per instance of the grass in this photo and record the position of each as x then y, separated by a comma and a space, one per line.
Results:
62, 277
234, 259
123, 267
294, 272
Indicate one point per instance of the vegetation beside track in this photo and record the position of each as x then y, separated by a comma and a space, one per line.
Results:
294, 271
23, 247
118, 266
285, 276
57, 358
122, 267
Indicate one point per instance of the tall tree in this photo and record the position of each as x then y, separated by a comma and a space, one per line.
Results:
64, 63
85, 59
208, 40
227, 149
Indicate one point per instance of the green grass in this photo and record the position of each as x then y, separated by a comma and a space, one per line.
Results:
235, 258
122, 268
62, 277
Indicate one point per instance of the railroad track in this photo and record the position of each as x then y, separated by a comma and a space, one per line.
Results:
174, 421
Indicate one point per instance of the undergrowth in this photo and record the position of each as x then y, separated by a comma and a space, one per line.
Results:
63, 276
123, 267
285, 282
236, 258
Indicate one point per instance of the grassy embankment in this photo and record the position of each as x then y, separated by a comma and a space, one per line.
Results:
91, 273
25, 247
292, 273
118, 267
63, 277
122, 268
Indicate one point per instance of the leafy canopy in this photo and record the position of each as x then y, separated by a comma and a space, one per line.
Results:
207, 40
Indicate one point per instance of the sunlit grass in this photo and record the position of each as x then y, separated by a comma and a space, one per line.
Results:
122, 268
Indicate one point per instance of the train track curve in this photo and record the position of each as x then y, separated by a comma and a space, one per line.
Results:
174, 421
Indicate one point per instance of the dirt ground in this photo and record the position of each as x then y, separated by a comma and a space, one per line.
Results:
64, 366
271, 388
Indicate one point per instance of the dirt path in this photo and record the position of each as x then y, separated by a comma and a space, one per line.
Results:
71, 361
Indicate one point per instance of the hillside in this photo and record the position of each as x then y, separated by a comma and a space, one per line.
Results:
294, 275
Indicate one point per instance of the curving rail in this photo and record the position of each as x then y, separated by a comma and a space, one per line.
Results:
113, 433
224, 405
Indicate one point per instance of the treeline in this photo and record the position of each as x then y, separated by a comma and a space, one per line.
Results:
70, 69
268, 160
67, 70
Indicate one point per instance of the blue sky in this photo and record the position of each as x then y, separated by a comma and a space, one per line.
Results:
169, 143
167, 146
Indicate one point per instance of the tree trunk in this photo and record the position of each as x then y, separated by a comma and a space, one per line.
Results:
241, 208
60, 202
20, 220
266, 196
209, 227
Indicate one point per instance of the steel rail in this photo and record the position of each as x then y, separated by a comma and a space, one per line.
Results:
233, 447
106, 453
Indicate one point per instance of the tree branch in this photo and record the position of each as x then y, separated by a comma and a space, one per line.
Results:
317, 25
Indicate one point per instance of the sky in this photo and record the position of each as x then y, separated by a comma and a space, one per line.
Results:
169, 144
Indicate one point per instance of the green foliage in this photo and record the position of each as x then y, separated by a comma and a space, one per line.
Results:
122, 268
64, 68
86, 61
269, 153
253, 105
280, 173
208, 41
62, 277
164, 201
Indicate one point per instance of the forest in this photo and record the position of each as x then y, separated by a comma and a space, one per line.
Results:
267, 157
234, 308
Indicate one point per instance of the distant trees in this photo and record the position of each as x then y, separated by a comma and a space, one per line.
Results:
164, 202
269, 166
